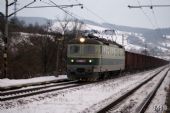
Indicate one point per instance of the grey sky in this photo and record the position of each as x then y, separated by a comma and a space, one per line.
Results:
111, 11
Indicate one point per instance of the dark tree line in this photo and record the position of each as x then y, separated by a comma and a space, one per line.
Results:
36, 54
33, 60
1, 42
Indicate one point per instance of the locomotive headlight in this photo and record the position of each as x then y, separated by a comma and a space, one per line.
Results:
72, 60
82, 40
90, 61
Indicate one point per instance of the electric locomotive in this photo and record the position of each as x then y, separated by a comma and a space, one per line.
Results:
93, 58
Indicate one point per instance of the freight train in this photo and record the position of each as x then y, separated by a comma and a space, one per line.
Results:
92, 58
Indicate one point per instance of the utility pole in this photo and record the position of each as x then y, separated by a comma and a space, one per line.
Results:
5, 38
6, 16
15, 9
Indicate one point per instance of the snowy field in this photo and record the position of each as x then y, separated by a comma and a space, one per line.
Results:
158, 103
13, 82
135, 100
87, 98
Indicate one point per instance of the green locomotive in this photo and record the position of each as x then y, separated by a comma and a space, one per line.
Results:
93, 58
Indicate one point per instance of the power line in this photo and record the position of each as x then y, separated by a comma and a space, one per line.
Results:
144, 13
5, 37
153, 12
95, 14
156, 22
154, 16
15, 9
67, 12
61, 6
149, 6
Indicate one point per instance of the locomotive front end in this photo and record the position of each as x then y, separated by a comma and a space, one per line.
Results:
83, 58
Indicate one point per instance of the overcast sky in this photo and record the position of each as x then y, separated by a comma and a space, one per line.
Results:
111, 11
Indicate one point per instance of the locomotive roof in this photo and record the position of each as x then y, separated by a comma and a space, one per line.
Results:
94, 40
87, 41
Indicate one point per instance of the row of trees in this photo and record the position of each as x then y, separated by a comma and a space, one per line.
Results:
36, 50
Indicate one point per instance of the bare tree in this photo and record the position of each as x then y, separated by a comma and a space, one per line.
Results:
77, 26
64, 24
47, 51
60, 43
44, 47
67, 25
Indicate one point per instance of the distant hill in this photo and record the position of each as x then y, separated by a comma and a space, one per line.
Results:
145, 31
136, 38
125, 28
33, 20
91, 23
151, 35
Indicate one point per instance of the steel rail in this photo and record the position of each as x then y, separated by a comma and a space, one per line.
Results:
144, 105
35, 88
39, 92
13, 87
127, 94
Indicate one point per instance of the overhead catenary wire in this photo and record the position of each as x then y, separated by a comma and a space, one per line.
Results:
156, 25
150, 6
61, 7
156, 22
73, 15
101, 18
52, 5
146, 14
77, 17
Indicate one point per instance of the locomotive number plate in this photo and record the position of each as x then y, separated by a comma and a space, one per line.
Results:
81, 61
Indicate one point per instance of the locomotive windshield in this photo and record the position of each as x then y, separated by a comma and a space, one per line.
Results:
89, 49
84, 50
75, 49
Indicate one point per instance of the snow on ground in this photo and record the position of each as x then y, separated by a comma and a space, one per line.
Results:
20, 37
122, 39
16, 82
92, 27
70, 25
158, 103
166, 44
133, 102
163, 49
168, 36
75, 99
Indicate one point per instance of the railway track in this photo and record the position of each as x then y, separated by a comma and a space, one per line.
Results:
143, 106
38, 88
30, 91
19, 86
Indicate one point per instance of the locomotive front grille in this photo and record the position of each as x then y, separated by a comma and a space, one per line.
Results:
80, 70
